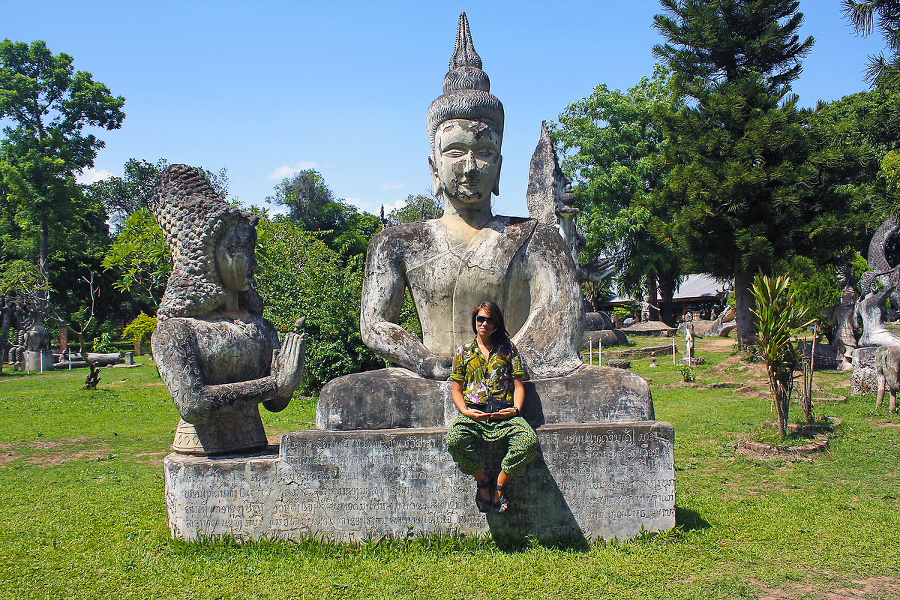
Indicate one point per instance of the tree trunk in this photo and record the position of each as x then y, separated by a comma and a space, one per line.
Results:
743, 303
651, 297
667, 293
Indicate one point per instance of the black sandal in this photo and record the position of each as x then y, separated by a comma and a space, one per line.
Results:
484, 504
501, 505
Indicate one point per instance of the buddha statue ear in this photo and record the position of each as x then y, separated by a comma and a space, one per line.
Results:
435, 180
496, 190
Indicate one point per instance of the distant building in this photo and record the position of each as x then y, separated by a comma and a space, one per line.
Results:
699, 293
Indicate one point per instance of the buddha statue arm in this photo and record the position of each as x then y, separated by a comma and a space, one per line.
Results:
175, 349
382, 299
548, 340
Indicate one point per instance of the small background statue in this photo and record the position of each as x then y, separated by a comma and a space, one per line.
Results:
844, 335
217, 355
871, 307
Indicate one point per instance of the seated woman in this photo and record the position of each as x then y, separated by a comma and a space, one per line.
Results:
487, 389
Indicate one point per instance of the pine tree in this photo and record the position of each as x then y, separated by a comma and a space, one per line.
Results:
741, 179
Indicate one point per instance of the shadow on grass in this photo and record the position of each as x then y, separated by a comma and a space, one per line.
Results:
689, 520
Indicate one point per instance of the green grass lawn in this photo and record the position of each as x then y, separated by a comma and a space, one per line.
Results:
82, 511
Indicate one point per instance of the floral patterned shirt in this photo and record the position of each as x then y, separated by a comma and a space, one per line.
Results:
483, 378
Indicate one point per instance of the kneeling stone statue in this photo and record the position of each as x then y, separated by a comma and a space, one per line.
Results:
218, 357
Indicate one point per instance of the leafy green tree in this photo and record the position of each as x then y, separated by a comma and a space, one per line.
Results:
614, 146
49, 106
881, 72
122, 196
141, 258
739, 188
312, 205
418, 207
299, 275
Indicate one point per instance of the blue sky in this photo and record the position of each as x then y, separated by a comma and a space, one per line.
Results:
269, 87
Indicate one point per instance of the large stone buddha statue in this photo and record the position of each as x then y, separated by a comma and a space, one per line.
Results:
453, 263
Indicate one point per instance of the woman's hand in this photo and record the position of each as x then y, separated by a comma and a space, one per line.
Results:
506, 413
476, 415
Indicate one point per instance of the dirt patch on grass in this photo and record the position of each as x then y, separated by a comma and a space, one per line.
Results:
55, 452
886, 424
859, 589
99, 450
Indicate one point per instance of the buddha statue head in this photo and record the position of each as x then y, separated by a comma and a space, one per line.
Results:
212, 245
465, 129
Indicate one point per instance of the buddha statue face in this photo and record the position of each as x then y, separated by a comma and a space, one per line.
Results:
465, 165
235, 257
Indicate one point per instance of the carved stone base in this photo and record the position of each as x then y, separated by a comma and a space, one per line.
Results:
240, 431
38, 361
862, 380
593, 480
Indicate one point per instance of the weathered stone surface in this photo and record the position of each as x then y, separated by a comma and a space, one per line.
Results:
826, 356
863, 379
649, 328
370, 400
597, 321
39, 361
636, 353
887, 373
588, 481
872, 307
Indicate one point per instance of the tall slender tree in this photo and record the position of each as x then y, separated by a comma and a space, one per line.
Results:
49, 105
739, 149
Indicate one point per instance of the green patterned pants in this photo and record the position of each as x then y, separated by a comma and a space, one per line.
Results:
464, 434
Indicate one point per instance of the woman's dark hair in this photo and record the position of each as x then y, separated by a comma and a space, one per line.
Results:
500, 334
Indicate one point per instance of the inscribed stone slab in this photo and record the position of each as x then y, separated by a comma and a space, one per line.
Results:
588, 481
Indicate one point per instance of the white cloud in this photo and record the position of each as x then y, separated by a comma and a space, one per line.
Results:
398, 203
92, 175
356, 202
287, 170
392, 186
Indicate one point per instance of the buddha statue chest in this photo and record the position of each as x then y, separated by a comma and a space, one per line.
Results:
448, 276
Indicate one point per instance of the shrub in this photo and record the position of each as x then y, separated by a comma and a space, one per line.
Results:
140, 329
103, 344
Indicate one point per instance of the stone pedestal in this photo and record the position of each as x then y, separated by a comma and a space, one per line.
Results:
38, 361
589, 480
863, 380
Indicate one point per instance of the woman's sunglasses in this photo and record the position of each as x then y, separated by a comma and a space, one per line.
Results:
480, 319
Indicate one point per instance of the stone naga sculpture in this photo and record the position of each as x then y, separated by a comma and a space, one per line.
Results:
871, 308
218, 357
453, 263
877, 257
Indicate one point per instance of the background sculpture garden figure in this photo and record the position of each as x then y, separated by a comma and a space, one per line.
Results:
459, 260
216, 354
844, 335
872, 309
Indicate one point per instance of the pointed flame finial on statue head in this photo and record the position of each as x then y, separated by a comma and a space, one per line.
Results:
467, 89
464, 54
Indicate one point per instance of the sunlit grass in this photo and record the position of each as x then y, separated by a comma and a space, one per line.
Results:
81, 503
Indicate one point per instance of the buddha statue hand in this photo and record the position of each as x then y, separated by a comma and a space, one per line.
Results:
287, 368
437, 366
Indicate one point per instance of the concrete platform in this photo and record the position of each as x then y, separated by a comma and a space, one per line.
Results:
609, 480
